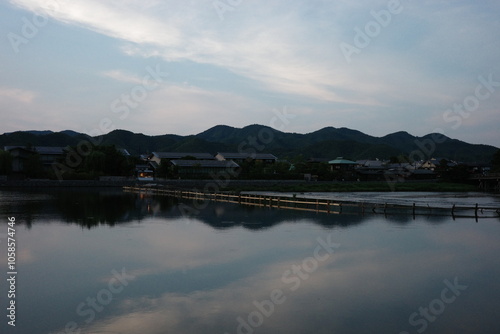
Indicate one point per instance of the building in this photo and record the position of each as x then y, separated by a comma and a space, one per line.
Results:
197, 168
433, 163
371, 164
20, 155
341, 164
239, 158
343, 169
371, 170
48, 155
144, 172
158, 156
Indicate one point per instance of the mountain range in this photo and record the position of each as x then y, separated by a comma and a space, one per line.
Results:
326, 143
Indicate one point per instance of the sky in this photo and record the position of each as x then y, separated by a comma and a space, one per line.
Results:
181, 67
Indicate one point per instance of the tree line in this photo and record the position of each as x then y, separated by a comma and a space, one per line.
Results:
106, 160
103, 160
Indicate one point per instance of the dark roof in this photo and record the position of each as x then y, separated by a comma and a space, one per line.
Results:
372, 172
123, 151
54, 150
399, 165
143, 168
177, 155
49, 150
370, 163
437, 161
10, 148
257, 156
205, 163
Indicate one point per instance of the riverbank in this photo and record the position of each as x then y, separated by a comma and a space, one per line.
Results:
250, 185
360, 186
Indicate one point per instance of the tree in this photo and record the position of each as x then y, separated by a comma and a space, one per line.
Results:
95, 162
164, 170
459, 173
101, 160
495, 162
33, 166
5, 163
399, 159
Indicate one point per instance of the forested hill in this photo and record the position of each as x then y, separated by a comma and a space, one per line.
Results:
326, 143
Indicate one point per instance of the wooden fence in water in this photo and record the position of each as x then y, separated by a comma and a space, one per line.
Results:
322, 205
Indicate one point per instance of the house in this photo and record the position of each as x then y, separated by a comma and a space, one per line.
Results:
239, 158
478, 168
343, 169
371, 164
158, 156
341, 164
187, 168
403, 166
144, 172
48, 155
369, 170
431, 164
20, 155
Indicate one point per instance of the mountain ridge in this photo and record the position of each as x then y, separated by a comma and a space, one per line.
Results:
327, 142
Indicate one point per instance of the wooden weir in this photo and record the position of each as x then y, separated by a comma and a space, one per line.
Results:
321, 205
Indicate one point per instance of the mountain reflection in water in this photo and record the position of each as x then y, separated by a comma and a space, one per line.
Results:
218, 270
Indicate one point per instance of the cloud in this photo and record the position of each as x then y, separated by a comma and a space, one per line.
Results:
269, 49
427, 56
17, 95
338, 285
122, 76
190, 109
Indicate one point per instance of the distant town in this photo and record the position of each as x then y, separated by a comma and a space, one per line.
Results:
87, 158
107, 162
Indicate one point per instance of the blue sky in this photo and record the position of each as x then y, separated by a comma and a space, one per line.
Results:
162, 66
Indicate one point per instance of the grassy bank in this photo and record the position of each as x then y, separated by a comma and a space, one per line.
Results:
357, 186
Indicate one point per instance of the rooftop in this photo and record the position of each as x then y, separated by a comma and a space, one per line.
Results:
54, 150
342, 161
205, 163
180, 155
257, 156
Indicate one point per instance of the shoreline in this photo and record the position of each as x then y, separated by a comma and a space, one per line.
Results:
250, 185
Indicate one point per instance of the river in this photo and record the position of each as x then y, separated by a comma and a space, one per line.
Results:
104, 261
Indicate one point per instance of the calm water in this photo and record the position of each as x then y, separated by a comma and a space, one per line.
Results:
108, 262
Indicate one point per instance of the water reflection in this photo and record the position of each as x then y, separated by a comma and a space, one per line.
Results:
90, 208
215, 272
